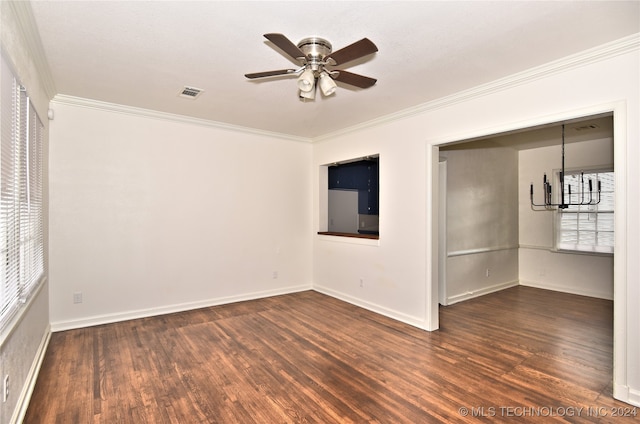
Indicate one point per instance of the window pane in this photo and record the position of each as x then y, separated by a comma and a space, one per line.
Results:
569, 221
606, 239
605, 222
588, 238
606, 202
586, 222
570, 237
606, 181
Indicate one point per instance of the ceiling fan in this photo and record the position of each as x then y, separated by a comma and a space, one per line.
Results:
315, 58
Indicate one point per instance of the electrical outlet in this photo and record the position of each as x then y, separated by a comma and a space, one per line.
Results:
5, 389
275, 275
487, 273
77, 297
362, 282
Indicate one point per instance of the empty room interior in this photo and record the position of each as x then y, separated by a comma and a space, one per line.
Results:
244, 212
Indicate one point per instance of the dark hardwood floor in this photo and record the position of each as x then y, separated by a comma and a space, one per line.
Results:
520, 355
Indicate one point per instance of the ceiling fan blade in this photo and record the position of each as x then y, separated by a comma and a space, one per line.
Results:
354, 79
285, 45
270, 73
353, 51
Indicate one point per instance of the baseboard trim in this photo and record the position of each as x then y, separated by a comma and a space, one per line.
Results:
480, 292
633, 397
169, 309
27, 390
570, 290
418, 322
625, 394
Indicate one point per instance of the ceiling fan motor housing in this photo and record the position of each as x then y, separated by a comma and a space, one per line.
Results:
315, 49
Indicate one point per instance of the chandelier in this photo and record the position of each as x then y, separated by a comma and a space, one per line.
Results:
567, 198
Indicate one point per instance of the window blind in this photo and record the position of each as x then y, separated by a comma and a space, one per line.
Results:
31, 229
21, 197
8, 237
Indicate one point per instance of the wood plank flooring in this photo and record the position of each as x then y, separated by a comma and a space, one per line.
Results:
519, 355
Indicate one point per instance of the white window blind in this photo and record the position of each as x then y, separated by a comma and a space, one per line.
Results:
21, 196
588, 228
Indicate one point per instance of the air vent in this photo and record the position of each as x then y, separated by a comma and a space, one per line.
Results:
586, 127
191, 92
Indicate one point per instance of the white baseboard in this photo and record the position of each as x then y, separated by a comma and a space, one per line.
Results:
168, 309
634, 397
30, 383
480, 292
418, 322
572, 290
625, 394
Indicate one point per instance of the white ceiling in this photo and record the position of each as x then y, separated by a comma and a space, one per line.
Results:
142, 53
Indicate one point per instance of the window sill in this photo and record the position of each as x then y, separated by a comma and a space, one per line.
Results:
583, 252
14, 322
349, 238
352, 235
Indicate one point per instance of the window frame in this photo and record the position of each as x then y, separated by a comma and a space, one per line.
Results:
21, 198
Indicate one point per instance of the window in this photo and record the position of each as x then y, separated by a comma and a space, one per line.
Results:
21, 196
353, 198
588, 228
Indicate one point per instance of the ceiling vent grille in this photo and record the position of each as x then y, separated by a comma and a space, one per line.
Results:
586, 127
191, 92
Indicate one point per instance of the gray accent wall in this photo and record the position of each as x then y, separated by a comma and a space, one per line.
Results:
481, 220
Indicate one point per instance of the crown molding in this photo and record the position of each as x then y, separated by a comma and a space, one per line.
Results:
29, 31
593, 55
153, 114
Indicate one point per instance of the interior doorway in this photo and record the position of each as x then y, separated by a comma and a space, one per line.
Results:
616, 113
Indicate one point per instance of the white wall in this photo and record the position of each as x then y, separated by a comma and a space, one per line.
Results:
156, 215
22, 345
482, 220
540, 265
399, 270
392, 268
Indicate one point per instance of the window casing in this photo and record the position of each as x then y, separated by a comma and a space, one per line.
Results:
21, 196
588, 228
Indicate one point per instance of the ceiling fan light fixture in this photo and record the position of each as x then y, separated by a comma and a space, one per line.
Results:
327, 84
307, 95
306, 81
